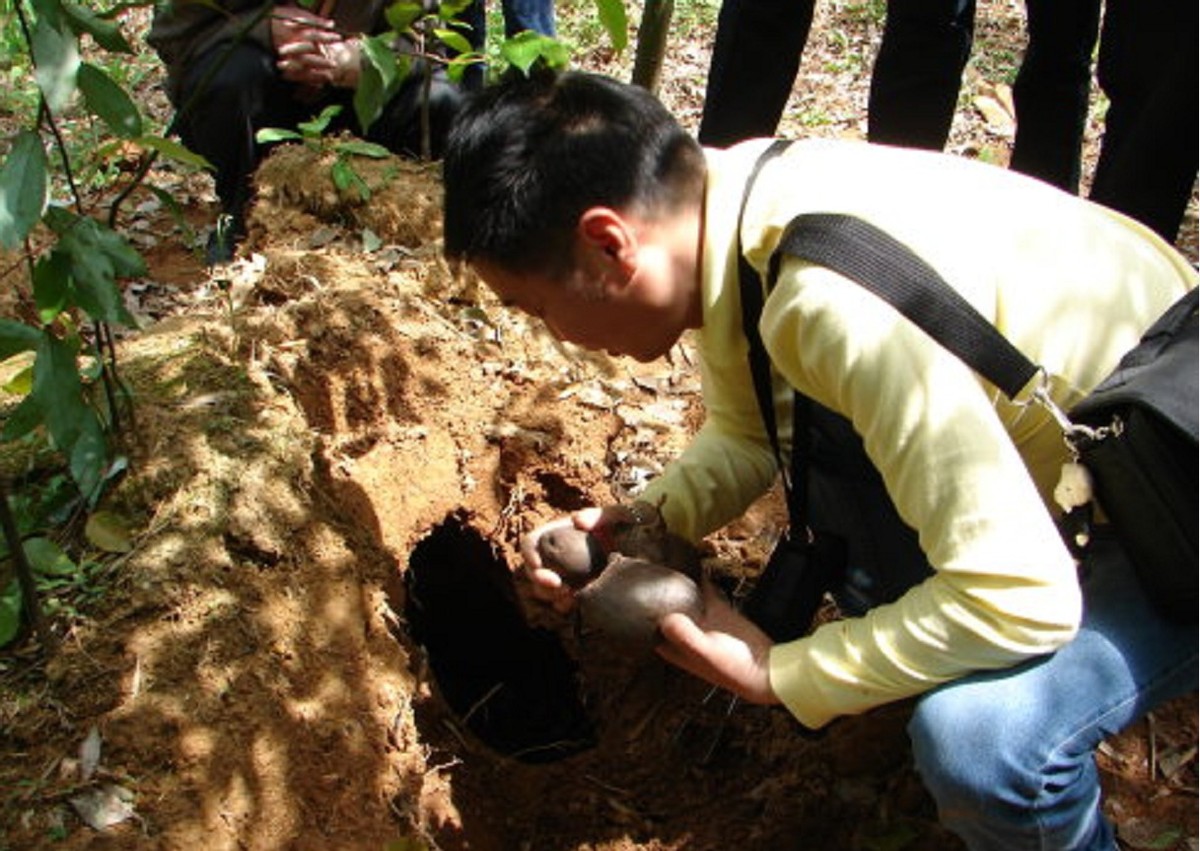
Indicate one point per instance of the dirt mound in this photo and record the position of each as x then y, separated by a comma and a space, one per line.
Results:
317, 641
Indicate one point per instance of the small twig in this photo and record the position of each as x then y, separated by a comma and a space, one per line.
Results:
490, 694
608, 787
147, 160
108, 371
515, 499
719, 733
561, 745
1152, 728
443, 766
453, 728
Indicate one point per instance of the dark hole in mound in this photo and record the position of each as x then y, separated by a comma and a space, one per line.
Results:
511, 684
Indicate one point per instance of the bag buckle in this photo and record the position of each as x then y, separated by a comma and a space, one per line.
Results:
1075, 435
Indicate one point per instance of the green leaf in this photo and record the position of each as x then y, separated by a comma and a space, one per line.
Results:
556, 54
109, 101
98, 256
368, 96
317, 126
340, 173
172, 150
346, 178
47, 558
20, 384
458, 66
616, 24
10, 613
381, 76
105, 33
58, 391
23, 419
56, 61
17, 337
360, 148
401, 16
89, 456
377, 52
451, 9
276, 134
453, 40
522, 50
52, 285
23, 188
106, 531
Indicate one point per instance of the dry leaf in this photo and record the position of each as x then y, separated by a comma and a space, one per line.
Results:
89, 754
105, 806
106, 531
998, 119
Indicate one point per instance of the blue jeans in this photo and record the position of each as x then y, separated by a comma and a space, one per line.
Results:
519, 16
1009, 755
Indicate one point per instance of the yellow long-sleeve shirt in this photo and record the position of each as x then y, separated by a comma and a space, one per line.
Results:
1071, 284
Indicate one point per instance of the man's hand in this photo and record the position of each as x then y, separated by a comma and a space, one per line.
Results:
548, 585
725, 649
310, 51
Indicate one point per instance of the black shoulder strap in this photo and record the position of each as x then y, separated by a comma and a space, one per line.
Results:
882, 264
751, 288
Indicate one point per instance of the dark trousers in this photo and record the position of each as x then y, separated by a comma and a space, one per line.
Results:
914, 88
925, 47
1148, 62
233, 91
1052, 89
1148, 69
756, 54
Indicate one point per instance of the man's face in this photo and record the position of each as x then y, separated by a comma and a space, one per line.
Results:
632, 320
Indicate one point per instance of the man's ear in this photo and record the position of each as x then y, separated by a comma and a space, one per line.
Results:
611, 236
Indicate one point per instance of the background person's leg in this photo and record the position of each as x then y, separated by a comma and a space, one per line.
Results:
1052, 89
521, 15
918, 72
230, 93
755, 58
1147, 68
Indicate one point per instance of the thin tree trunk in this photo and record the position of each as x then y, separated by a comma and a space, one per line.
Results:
652, 43
30, 605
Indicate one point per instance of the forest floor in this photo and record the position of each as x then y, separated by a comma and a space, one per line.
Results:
338, 442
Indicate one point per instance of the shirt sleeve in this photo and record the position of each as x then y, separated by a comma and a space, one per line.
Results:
714, 480
1004, 587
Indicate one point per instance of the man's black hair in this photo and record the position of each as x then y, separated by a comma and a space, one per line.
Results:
527, 156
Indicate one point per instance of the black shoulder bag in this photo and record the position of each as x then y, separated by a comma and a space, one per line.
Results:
1135, 433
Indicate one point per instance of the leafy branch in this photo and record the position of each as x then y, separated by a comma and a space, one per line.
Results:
73, 399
